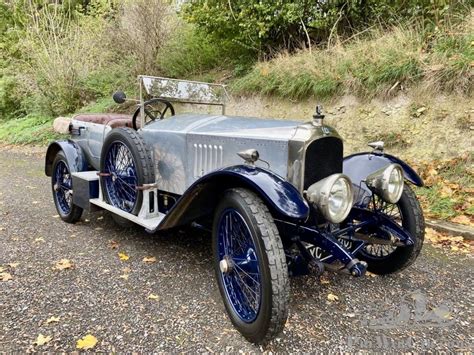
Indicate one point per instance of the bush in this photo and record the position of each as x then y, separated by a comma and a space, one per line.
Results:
60, 53
191, 52
270, 26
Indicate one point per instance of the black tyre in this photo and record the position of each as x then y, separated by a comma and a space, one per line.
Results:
61, 183
250, 266
384, 259
125, 163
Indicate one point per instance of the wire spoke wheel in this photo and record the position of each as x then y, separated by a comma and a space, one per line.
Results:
61, 183
407, 213
250, 265
62, 187
243, 282
391, 210
121, 178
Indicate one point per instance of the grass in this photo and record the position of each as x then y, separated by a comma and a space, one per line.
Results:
370, 66
32, 129
449, 190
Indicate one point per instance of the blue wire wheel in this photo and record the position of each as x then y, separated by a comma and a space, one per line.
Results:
126, 164
120, 177
250, 265
62, 188
239, 265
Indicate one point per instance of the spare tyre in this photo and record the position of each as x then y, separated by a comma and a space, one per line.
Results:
125, 164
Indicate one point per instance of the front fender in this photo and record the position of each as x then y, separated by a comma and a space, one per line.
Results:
201, 198
358, 166
75, 158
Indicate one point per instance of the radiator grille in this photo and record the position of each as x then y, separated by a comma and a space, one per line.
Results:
207, 157
323, 158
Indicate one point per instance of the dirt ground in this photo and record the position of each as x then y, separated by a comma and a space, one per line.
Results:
173, 304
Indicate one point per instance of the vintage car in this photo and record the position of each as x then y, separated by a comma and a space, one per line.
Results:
278, 196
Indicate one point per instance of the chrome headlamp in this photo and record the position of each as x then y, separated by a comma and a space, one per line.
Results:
387, 183
332, 196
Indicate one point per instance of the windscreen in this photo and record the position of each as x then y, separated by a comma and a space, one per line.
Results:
184, 91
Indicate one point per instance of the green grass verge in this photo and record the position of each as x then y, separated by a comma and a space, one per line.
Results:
32, 129
369, 66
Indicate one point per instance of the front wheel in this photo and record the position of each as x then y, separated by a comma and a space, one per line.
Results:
386, 259
250, 266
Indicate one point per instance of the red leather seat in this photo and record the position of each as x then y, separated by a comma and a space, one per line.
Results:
113, 120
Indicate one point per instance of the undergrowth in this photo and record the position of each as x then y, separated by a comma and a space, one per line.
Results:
378, 64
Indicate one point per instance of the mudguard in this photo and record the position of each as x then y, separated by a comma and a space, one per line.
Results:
359, 166
201, 198
74, 155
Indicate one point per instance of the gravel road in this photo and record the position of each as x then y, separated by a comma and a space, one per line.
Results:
427, 307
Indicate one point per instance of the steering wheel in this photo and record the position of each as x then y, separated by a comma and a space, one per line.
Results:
151, 112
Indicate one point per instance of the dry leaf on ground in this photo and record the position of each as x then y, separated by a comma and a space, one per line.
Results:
452, 243
332, 297
149, 259
87, 342
41, 340
153, 297
53, 320
39, 240
462, 219
123, 256
5, 276
63, 264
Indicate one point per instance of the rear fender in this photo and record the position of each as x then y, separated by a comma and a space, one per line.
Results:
74, 155
359, 166
201, 198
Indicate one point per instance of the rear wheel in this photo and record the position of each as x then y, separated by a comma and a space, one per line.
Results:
386, 259
126, 163
250, 266
61, 183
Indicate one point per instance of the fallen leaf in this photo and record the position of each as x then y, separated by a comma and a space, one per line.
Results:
123, 256
324, 281
462, 219
38, 240
368, 273
63, 264
87, 342
153, 297
149, 259
5, 276
124, 276
53, 320
332, 297
41, 340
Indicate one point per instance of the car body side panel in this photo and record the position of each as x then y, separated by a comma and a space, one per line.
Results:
281, 197
187, 147
73, 152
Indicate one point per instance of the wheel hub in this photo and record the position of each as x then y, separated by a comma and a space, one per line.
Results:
226, 265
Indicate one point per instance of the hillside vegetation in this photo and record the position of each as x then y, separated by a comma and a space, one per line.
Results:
59, 56
401, 71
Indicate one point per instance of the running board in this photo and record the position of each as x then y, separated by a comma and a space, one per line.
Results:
148, 223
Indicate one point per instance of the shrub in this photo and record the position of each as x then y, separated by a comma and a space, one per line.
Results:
270, 26
191, 52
